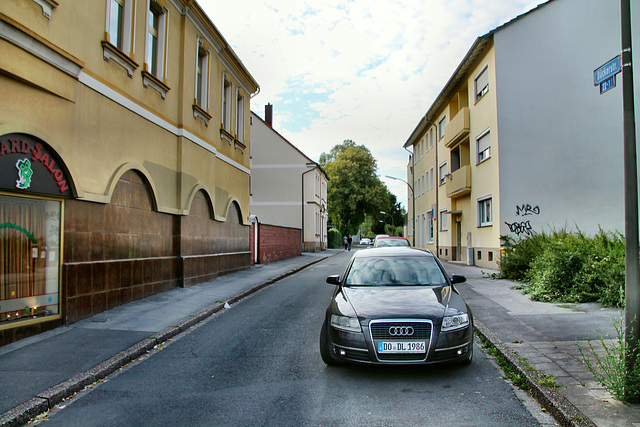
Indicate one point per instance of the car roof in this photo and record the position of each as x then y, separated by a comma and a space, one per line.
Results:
392, 237
395, 251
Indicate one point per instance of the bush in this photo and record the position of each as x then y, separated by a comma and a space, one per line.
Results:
516, 260
568, 267
334, 239
610, 368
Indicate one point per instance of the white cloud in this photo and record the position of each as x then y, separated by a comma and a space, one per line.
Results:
365, 70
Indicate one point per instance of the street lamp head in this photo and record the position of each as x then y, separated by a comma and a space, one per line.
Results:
384, 213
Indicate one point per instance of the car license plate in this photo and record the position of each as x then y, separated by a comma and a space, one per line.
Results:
401, 347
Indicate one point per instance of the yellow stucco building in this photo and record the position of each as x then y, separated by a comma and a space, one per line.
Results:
124, 145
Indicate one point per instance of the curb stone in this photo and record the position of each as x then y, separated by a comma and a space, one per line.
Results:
562, 410
22, 414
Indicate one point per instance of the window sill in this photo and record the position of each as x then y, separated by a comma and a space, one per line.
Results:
224, 134
239, 145
47, 7
199, 113
483, 160
485, 225
152, 81
110, 52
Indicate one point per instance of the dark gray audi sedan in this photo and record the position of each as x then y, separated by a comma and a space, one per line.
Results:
396, 305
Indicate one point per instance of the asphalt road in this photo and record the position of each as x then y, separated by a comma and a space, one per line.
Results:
258, 364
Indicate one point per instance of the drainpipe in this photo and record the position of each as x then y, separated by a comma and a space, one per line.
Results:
255, 221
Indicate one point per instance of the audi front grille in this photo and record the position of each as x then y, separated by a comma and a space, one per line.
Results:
380, 330
401, 330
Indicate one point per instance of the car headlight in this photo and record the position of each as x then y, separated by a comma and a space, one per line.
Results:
458, 321
345, 323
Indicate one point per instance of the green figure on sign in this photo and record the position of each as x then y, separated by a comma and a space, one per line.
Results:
24, 173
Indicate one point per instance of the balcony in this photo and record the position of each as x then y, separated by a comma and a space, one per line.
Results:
457, 129
459, 182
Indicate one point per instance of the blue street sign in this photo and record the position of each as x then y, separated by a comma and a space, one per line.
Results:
608, 84
606, 71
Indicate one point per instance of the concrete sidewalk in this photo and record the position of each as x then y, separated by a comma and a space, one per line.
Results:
39, 372
547, 337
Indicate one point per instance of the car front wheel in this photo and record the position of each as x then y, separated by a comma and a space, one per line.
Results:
325, 347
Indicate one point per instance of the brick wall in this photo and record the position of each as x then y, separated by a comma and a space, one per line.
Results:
275, 243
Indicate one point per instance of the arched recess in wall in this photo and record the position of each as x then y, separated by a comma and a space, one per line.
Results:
234, 213
137, 170
200, 203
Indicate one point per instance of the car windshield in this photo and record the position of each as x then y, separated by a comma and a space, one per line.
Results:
383, 271
386, 243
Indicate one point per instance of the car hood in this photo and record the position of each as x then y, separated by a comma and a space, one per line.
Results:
378, 302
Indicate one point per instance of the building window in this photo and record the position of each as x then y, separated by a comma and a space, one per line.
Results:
479, 255
431, 178
481, 83
483, 143
201, 78
239, 116
430, 226
226, 104
442, 173
485, 217
442, 124
490, 255
30, 253
201, 101
431, 139
154, 72
444, 220
116, 23
119, 29
153, 32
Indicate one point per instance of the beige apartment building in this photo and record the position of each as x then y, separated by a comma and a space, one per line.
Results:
519, 140
124, 145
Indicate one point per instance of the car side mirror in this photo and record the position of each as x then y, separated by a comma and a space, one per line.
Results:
333, 280
456, 278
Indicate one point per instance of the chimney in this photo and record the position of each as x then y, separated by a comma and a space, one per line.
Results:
268, 114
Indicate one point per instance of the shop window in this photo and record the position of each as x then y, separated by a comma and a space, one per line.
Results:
29, 259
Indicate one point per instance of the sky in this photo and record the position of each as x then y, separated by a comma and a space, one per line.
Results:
365, 70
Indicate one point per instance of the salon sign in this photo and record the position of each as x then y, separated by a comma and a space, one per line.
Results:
29, 164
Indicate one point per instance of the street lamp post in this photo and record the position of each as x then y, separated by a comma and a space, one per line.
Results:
392, 221
413, 206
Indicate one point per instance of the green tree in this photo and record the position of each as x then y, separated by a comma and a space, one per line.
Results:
354, 189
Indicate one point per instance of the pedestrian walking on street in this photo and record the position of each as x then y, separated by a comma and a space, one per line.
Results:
349, 241
345, 242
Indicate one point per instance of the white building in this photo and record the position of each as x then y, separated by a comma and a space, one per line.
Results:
288, 189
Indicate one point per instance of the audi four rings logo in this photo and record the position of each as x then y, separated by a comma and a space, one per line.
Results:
401, 331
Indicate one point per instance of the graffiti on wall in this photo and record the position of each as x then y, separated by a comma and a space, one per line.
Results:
523, 227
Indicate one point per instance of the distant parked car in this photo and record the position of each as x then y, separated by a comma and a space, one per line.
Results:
391, 241
377, 237
396, 305
365, 241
